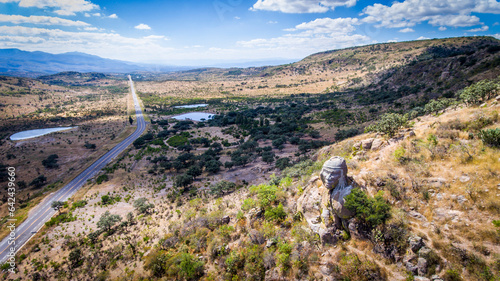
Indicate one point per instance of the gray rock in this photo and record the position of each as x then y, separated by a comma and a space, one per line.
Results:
416, 243
417, 215
421, 278
225, 220
461, 199
422, 266
424, 252
411, 268
436, 278
367, 144
330, 236
256, 237
464, 178
270, 243
255, 213
326, 269
377, 144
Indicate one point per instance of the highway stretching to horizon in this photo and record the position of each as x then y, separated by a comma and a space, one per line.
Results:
44, 211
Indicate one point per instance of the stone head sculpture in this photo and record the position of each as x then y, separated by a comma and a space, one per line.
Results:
334, 173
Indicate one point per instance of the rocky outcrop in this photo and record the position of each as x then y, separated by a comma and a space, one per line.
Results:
322, 203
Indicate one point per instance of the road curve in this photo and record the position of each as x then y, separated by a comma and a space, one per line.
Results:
43, 212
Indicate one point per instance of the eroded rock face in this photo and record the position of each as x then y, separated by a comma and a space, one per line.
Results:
322, 203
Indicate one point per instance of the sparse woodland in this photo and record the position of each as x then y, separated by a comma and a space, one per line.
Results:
417, 122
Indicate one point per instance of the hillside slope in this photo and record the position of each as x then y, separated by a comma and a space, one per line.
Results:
439, 178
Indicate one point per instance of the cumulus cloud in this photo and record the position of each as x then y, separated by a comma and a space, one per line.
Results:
62, 7
480, 29
497, 36
423, 38
406, 30
442, 28
142, 26
308, 37
43, 20
301, 6
438, 13
113, 16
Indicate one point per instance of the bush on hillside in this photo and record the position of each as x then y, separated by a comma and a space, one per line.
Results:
479, 92
389, 124
490, 137
370, 211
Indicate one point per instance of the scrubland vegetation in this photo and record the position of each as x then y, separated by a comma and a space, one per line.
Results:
217, 200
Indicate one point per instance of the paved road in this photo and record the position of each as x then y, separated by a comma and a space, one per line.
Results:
43, 212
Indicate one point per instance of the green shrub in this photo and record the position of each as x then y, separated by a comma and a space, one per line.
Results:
62, 218
222, 187
143, 206
490, 137
177, 140
102, 178
389, 124
277, 214
78, 204
370, 211
478, 92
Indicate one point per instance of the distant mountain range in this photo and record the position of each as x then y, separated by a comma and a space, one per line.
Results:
15, 62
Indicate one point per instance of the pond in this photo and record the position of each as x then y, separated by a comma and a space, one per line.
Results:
194, 116
191, 105
37, 133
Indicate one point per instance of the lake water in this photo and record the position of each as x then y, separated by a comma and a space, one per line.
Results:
195, 116
191, 105
36, 133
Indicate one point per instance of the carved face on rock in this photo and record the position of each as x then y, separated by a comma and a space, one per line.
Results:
334, 173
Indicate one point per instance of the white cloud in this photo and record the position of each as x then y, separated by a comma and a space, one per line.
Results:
422, 38
62, 7
91, 28
480, 29
155, 37
310, 37
113, 16
406, 30
496, 23
44, 20
497, 36
142, 26
392, 41
301, 6
237, 18
442, 28
109, 45
438, 13
96, 14
272, 22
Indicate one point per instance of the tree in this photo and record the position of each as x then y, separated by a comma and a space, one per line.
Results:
107, 221
213, 166
75, 257
39, 181
389, 124
222, 188
143, 206
183, 180
194, 171
51, 162
283, 163
130, 120
57, 205
478, 92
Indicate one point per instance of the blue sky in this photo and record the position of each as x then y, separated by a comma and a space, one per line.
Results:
221, 31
